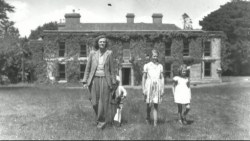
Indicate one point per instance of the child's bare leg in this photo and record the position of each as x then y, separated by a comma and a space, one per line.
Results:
148, 113
186, 111
180, 112
155, 114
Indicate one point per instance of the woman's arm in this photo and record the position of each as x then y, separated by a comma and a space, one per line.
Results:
144, 77
88, 67
112, 69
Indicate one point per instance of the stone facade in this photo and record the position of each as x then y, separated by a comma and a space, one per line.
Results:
131, 42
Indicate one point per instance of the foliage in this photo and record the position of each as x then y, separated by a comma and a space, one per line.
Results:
234, 19
36, 34
140, 43
4, 8
11, 53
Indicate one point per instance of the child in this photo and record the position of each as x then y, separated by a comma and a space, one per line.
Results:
153, 86
120, 95
182, 92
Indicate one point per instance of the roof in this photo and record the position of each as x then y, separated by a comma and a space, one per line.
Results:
119, 27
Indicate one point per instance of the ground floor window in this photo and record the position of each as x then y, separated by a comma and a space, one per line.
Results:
62, 74
167, 70
207, 69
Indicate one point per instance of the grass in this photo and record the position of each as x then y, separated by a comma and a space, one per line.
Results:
32, 113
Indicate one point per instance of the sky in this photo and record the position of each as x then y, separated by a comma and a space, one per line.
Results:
29, 14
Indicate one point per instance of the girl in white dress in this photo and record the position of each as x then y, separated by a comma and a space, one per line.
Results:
182, 92
153, 85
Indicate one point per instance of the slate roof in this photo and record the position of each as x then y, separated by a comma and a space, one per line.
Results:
119, 27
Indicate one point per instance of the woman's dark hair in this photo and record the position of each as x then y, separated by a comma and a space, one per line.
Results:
97, 39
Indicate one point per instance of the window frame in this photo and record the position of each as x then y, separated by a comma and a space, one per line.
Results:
83, 52
168, 70
60, 72
62, 44
207, 50
186, 50
208, 70
168, 50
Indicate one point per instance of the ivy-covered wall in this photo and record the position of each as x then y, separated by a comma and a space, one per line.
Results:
140, 45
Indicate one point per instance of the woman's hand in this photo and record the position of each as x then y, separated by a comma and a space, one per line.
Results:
85, 86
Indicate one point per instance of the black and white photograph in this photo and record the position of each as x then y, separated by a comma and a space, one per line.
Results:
125, 70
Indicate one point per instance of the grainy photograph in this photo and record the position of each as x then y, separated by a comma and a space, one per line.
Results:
124, 70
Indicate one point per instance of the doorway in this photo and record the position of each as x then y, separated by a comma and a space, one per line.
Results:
126, 76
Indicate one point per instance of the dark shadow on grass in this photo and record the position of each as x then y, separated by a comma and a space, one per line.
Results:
161, 121
189, 122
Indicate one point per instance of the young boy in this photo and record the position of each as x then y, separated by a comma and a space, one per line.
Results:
120, 95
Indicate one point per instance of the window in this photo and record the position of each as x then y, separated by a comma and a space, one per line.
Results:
185, 47
82, 70
167, 72
207, 70
168, 48
61, 49
126, 45
207, 48
61, 69
126, 54
83, 50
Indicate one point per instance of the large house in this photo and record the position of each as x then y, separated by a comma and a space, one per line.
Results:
66, 49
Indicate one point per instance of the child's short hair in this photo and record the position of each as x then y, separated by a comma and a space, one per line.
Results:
183, 67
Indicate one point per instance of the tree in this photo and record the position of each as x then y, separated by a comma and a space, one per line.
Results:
234, 19
5, 7
35, 34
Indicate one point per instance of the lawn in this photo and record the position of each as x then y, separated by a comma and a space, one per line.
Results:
218, 112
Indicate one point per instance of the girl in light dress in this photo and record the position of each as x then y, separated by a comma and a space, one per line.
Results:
153, 85
182, 92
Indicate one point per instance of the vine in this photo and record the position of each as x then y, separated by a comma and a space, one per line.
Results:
141, 44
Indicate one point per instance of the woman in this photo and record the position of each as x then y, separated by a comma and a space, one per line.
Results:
153, 85
99, 78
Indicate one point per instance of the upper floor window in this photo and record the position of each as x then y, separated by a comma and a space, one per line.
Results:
168, 48
126, 51
207, 48
61, 69
185, 47
207, 69
83, 50
61, 49
82, 70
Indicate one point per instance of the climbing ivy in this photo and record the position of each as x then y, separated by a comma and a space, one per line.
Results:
140, 43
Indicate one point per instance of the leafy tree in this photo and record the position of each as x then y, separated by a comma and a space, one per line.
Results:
10, 53
35, 34
234, 19
5, 7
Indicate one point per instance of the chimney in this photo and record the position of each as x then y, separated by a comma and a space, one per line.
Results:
157, 18
72, 19
130, 17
